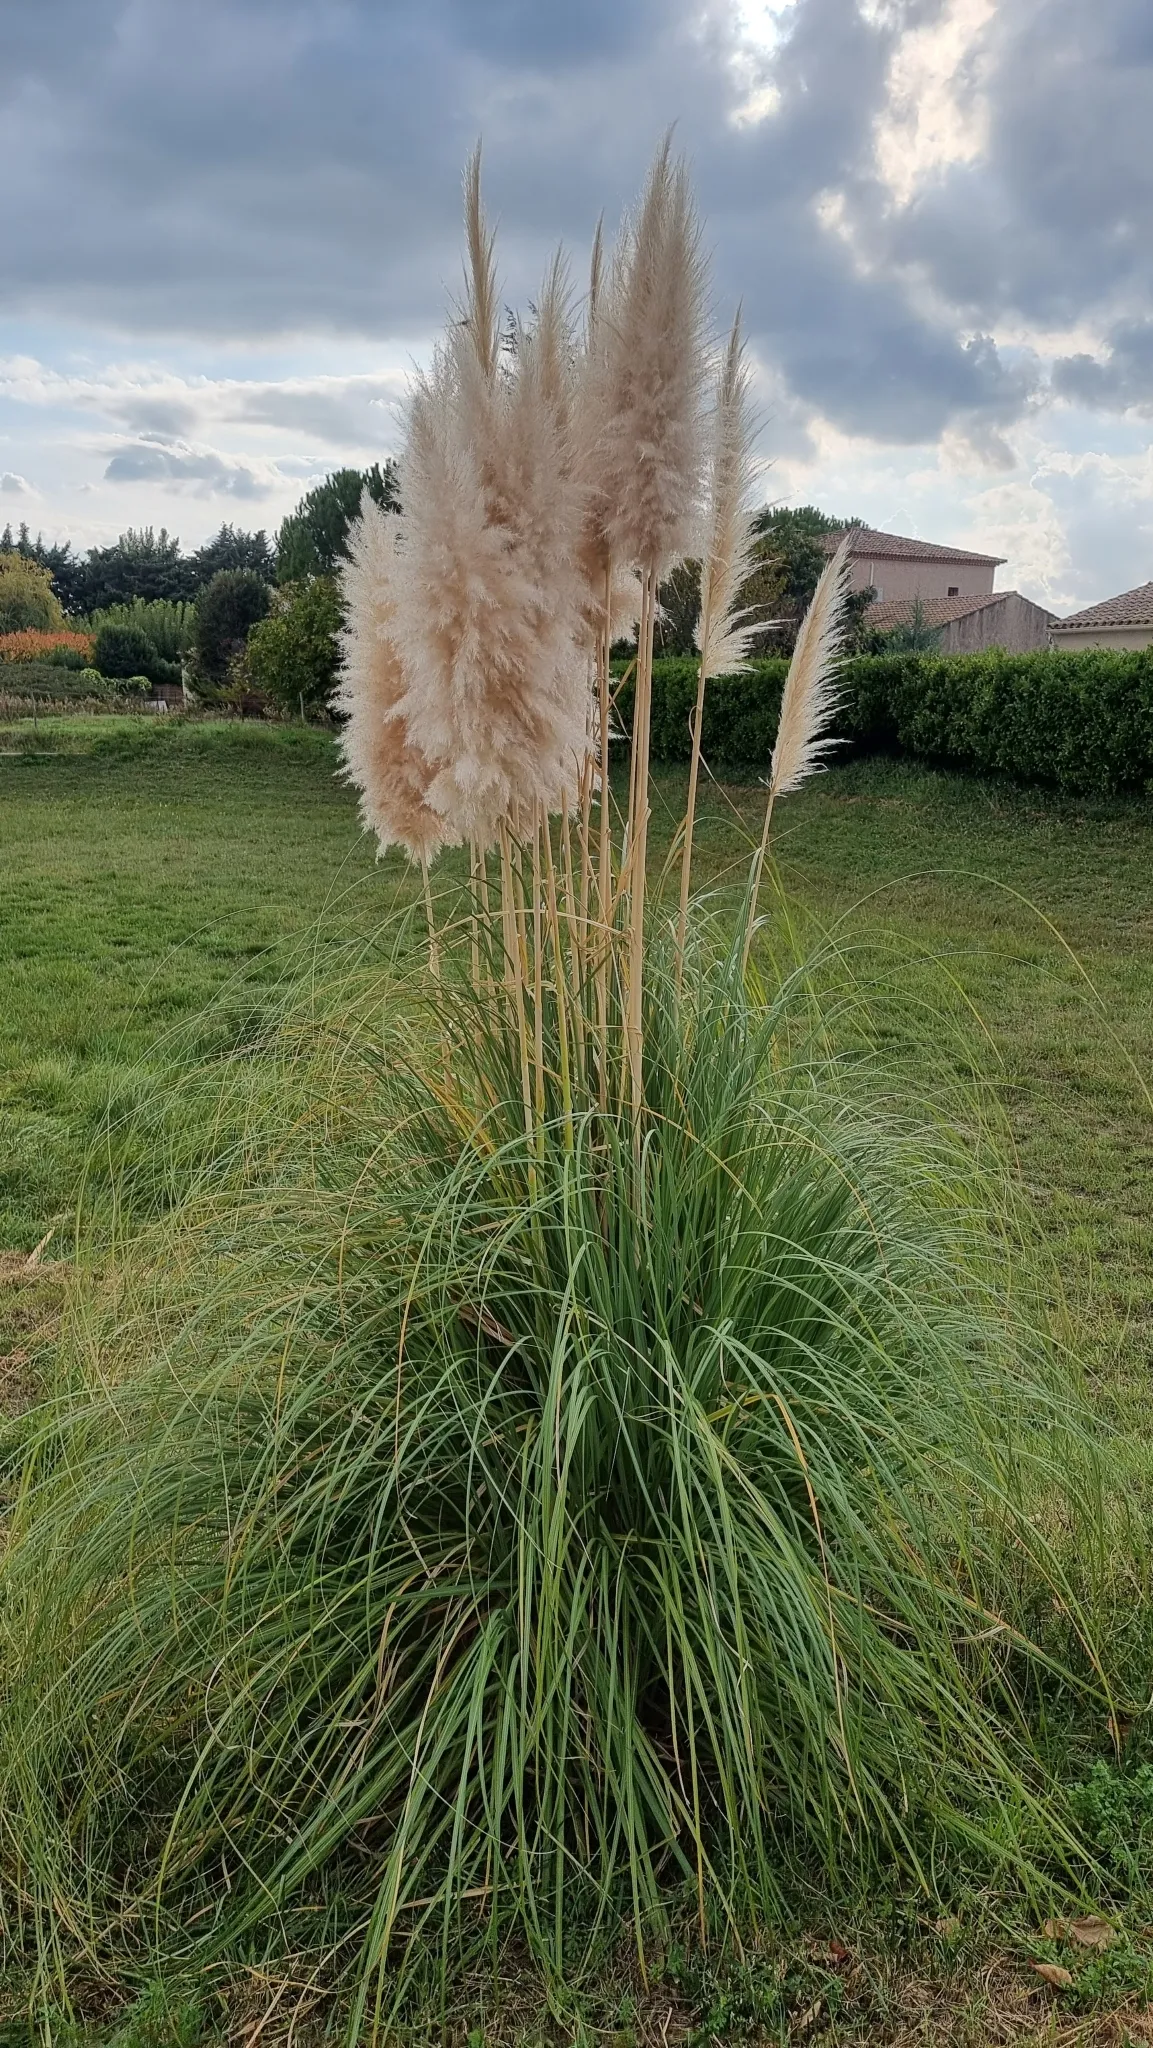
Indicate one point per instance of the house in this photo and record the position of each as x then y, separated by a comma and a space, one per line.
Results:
898, 567
965, 625
1124, 622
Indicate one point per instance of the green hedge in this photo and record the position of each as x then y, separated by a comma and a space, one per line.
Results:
45, 680
1081, 722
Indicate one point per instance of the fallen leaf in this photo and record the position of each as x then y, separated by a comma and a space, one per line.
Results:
837, 1952
1090, 1931
1055, 1975
806, 2020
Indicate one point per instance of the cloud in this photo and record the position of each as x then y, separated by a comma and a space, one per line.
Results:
157, 404
935, 211
16, 486
211, 473
1121, 381
1047, 219
984, 157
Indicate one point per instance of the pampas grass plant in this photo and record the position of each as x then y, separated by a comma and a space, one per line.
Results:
597, 1476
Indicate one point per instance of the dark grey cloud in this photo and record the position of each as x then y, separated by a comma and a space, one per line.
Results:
525, 31
151, 413
215, 475
262, 166
1051, 221
1120, 380
358, 415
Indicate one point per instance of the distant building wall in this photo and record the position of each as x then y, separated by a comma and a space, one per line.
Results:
1124, 638
897, 576
1011, 622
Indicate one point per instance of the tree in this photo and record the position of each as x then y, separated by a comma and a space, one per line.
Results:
226, 609
914, 636
680, 602
294, 653
311, 540
27, 598
791, 550
232, 548
66, 569
142, 563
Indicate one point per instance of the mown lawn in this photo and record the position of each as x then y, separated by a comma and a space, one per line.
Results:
161, 880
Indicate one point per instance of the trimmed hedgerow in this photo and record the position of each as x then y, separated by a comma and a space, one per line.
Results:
1081, 722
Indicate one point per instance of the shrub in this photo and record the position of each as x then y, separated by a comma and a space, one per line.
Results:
227, 608
126, 653
167, 623
1081, 722
27, 599
294, 653
69, 649
47, 682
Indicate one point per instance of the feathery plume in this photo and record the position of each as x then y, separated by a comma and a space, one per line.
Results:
481, 304
723, 633
590, 413
488, 609
378, 759
596, 275
648, 448
810, 694
808, 701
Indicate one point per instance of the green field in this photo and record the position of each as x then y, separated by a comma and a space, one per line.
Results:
162, 880
165, 881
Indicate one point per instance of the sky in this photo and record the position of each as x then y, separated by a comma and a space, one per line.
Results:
231, 229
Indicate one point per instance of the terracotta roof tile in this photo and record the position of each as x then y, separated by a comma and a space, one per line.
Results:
935, 611
888, 547
1132, 608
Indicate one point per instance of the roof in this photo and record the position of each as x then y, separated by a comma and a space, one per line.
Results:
936, 611
887, 547
1132, 608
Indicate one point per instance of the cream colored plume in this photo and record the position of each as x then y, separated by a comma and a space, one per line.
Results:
482, 302
643, 430
810, 695
488, 603
724, 632
378, 758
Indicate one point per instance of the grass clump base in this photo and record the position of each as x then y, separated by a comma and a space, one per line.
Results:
504, 1536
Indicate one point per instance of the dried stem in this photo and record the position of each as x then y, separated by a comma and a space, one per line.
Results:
538, 978
433, 947
559, 982
604, 649
511, 916
691, 807
638, 847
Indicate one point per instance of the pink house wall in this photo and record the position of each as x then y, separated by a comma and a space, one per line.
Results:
898, 576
